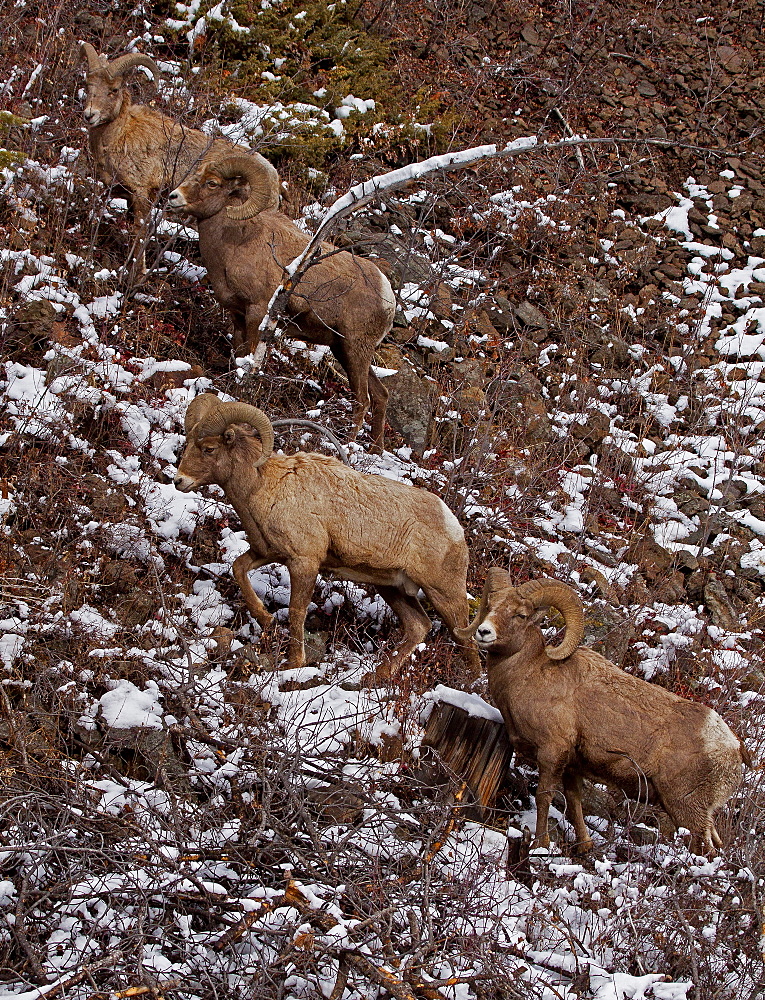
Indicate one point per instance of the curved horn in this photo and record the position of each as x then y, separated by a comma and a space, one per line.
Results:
132, 60
495, 578
312, 425
260, 188
554, 594
198, 409
95, 61
225, 414
468, 632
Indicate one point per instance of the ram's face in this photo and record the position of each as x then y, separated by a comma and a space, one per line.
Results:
505, 623
204, 193
103, 101
203, 462
214, 458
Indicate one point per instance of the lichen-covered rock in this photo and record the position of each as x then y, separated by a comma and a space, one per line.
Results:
531, 316
454, 432
720, 609
653, 559
501, 315
591, 428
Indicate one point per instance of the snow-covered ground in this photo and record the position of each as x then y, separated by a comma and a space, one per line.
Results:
209, 824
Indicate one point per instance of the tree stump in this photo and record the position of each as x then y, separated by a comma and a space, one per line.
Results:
468, 741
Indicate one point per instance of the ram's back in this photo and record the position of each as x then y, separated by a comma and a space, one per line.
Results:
359, 519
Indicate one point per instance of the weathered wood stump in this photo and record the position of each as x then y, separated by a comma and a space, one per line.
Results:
466, 738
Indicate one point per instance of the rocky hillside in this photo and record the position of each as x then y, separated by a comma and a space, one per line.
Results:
575, 368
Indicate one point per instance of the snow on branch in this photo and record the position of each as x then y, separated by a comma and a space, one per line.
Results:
361, 194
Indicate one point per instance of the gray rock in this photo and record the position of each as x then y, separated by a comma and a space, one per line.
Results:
591, 428
653, 559
501, 315
405, 264
470, 371
411, 404
529, 315
335, 805
454, 434
316, 646
608, 349
30, 325
643, 835
521, 394
136, 608
153, 753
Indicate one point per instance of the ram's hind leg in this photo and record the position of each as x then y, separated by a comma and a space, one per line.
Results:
356, 367
253, 317
414, 622
245, 321
379, 395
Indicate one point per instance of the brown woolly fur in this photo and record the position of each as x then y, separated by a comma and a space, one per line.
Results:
342, 301
142, 150
579, 716
313, 514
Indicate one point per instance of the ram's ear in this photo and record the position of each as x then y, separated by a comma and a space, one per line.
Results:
538, 615
229, 435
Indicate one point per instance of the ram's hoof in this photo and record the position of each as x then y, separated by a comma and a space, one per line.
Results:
376, 678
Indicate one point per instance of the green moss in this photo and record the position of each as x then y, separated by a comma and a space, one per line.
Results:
8, 121
322, 46
293, 49
10, 158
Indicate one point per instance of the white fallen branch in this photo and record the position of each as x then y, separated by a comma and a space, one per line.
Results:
361, 194
570, 132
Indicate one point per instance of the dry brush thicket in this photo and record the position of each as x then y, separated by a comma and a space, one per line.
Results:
572, 376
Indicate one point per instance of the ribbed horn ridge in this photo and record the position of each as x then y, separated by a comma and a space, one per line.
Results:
132, 60
94, 59
469, 631
239, 413
260, 189
198, 409
554, 594
495, 578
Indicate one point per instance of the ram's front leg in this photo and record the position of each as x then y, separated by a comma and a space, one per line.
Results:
141, 210
239, 341
253, 317
303, 575
241, 568
552, 763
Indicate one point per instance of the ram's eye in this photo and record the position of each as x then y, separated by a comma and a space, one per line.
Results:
212, 184
209, 449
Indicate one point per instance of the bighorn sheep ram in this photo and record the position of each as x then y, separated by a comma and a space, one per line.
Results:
342, 301
577, 715
312, 513
142, 150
